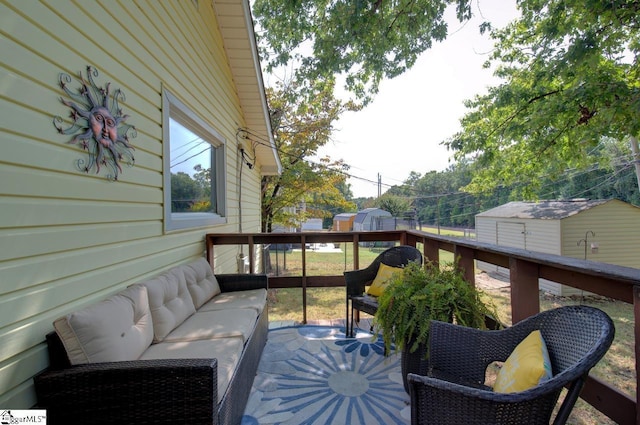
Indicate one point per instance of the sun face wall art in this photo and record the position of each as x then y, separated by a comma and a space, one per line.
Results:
98, 125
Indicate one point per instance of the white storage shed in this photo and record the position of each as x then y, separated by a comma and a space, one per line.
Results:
367, 219
599, 230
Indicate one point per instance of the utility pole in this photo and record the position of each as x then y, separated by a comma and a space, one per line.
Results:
379, 185
438, 212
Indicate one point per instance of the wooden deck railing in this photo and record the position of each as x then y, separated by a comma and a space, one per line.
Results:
526, 267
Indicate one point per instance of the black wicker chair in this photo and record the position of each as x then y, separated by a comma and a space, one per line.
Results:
577, 337
356, 280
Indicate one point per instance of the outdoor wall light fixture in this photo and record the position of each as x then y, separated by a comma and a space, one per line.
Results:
98, 125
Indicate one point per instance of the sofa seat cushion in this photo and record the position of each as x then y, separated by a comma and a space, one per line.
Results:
215, 324
254, 299
201, 282
226, 350
116, 329
170, 302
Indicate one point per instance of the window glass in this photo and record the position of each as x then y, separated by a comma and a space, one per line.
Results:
194, 168
190, 171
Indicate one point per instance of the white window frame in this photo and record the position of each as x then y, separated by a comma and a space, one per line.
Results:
173, 108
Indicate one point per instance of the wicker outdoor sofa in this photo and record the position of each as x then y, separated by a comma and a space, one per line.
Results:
182, 347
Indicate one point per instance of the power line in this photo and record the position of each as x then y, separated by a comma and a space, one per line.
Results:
261, 141
568, 174
192, 156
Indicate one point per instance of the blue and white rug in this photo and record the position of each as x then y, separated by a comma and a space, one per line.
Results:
314, 375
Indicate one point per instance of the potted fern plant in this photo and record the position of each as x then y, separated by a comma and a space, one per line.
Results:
415, 297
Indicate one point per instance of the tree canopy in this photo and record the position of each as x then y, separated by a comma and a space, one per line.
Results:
571, 76
363, 40
398, 206
569, 70
438, 201
305, 188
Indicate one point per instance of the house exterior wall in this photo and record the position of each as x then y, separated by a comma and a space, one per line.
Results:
539, 235
343, 225
70, 238
365, 220
343, 222
486, 231
529, 234
616, 225
533, 235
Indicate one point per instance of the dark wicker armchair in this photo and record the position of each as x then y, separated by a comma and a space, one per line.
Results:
577, 337
356, 280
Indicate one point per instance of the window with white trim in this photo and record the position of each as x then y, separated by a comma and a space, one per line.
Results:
194, 168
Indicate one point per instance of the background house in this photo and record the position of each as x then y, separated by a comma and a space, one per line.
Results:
600, 230
343, 222
311, 225
368, 219
70, 238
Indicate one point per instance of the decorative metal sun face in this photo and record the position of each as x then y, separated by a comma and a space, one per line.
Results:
99, 127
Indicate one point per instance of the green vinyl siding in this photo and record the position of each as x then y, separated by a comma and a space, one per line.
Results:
616, 225
71, 238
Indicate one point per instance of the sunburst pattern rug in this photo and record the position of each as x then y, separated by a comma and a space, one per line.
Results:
313, 375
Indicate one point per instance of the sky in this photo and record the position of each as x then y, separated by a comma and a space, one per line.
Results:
402, 129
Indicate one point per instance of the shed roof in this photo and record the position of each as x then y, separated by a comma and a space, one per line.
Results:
344, 216
373, 212
544, 210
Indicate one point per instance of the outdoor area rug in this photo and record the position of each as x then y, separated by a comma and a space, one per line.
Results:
314, 375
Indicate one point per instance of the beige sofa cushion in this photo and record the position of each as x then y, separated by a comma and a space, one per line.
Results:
201, 282
215, 324
169, 300
117, 329
254, 299
226, 350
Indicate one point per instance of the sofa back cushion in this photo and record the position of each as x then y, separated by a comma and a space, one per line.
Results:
116, 329
169, 301
201, 282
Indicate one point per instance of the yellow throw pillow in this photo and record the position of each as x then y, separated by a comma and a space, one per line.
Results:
526, 367
382, 279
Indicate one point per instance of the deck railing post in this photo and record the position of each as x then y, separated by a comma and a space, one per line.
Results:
636, 314
525, 300
252, 256
356, 251
304, 278
209, 250
464, 258
431, 251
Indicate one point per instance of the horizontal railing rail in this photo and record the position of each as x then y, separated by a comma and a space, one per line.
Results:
526, 267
